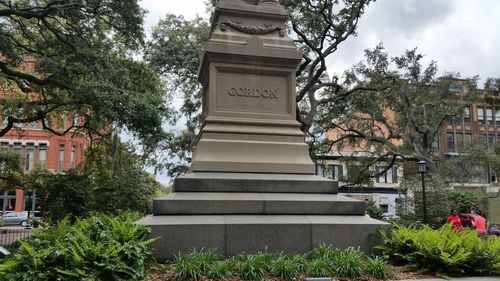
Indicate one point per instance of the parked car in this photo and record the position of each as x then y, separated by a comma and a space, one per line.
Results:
18, 218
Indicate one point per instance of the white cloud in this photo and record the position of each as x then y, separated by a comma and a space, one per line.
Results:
157, 9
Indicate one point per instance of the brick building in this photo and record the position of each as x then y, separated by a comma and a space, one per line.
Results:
40, 147
480, 123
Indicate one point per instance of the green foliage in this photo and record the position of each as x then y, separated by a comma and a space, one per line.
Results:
465, 201
288, 268
112, 180
350, 263
174, 51
11, 171
410, 208
442, 250
323, 261
68, 194
374, 211
255, 267
196, 265
97, 248
320, 268
119, 180
80, 57
222, 269
378, 268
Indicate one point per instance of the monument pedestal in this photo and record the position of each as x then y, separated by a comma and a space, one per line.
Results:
251, 185
246, 213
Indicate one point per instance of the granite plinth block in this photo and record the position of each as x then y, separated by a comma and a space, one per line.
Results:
235, 234
249, 182
199, 203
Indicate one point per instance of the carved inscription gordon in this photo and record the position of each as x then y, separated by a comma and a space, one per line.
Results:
253, 93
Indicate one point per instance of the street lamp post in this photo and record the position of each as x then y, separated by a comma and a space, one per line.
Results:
422, 167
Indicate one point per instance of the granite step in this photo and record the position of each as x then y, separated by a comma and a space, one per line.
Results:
236, 234
200, 203
254, 182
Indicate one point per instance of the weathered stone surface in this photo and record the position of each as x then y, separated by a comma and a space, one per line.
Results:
248, 182
248, 73
232, 235
251, 185
185, 203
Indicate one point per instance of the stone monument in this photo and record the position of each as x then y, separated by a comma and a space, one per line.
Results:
251, 186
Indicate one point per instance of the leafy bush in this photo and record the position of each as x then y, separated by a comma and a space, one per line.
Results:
97, 248
255, 267
374, 211
443, 251
320, 267
222, 269
288, 268
323, 261
350, 263
465, 201
378, 268
195, 264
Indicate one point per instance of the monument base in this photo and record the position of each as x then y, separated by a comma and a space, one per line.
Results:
201, 213
236, 234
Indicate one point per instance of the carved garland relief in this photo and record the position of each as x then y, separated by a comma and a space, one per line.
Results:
253, 30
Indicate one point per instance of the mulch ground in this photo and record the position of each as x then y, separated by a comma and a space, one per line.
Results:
399, 273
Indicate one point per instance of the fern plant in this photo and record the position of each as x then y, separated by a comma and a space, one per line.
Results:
100, 247
443, 251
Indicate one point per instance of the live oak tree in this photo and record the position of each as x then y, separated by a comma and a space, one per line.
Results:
318, 27
75, 60
403, 117
111, 180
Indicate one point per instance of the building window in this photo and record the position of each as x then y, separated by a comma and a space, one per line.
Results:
18, 149
4, 145
493, 177
467, 118
491, 143
467, 139
337, 172
459, 141
450, 141
72, 156
60, 164
497, 116
334, 172
489, 115
30, 155
42, 155
390, 176
480, 115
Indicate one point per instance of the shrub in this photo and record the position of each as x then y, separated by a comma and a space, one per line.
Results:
194, 265
350, 263
97, 248
255, 267
378, 268
222, 269
288, 268
443, 251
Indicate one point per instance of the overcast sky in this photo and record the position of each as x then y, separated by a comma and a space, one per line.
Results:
461, 35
